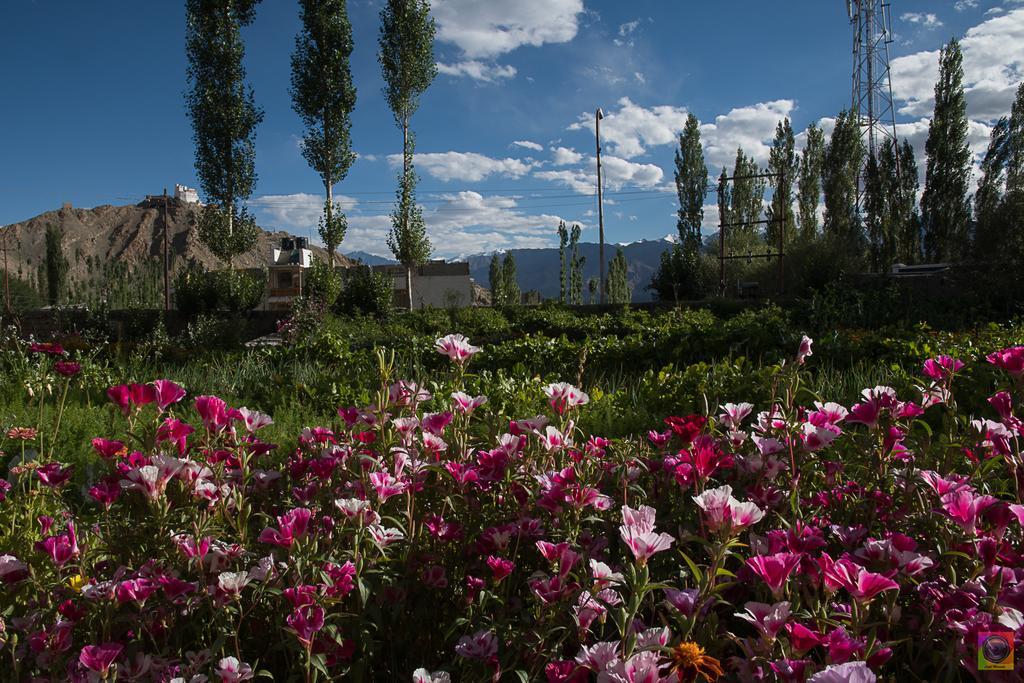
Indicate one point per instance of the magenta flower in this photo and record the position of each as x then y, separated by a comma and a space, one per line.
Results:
775, 569
734, 414
850, 672
435, 423
213, 411
108, 448
67, 368
456, 347
942, 368
49, 348
99, 658
167, 393
466, 404
805, 350
175, 431
482, 645
1011, 360
637, 530
643, 667
254, 419
769, 619
291, 525
500, 567
869, 585
964, 507
136, 590
53, 474
105, 492
306, 621
722, 512
60, 548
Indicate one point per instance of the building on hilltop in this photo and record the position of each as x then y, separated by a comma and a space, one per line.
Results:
186, 194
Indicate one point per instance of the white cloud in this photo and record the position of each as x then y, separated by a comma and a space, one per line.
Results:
617, 173
528, 144
628, 27
993, 63
565, 156
477, 70
927, 20
633, 128
964, 5
467, 166
298, 210
640, 78
488, 29
751, 128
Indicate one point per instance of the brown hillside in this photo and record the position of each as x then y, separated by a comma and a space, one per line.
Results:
130, 234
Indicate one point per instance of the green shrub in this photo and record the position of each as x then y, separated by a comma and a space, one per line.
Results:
366, 292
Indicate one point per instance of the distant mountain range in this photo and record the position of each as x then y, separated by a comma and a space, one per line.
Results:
370, 259
539, 269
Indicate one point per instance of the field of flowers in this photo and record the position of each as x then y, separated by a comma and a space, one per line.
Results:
426, 536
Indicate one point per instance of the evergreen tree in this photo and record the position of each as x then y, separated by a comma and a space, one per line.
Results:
811, 162
783, 162
747, 199
945, 206
875, 206
406, 57
691, 177
56, 266
497, 280
323, 96
576, 271
907, 229
224, 118
592, 285
618, 279
840, 171
511, 294
563, 271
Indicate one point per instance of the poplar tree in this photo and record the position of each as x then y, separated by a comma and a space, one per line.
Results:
576, 267
908, 219
875, 208
747, 201
323, 96
945, 206
224, 117
406, 58
511, 294
691, 177
809, 193
55, 266
618, 279
1012, 207
497, 280
840, 171
783, 162
563, 263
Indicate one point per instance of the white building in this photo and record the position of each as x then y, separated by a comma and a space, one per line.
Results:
286, 272
186, 194
437, 284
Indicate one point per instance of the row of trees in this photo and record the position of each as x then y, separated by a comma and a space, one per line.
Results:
225, 116
870, 218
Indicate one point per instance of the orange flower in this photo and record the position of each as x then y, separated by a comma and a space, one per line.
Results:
22, 433
690, 663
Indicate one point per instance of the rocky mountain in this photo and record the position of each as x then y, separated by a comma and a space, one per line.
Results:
370, 259
539, 269
130, 236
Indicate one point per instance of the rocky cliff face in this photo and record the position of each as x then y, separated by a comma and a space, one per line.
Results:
130, 235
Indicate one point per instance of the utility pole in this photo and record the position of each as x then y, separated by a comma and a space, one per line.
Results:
167, 286
600, 202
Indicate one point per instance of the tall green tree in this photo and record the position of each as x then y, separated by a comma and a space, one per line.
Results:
406, 58
809, 193
224, 118
323, 96
875, 208
1012, 206
840, 173
563, 262
988, 231
511, 294
691, 177
576, 267
747, 198
783, 162
945, 206
724, 191
55, 265
906, 218
618, 279
497, 279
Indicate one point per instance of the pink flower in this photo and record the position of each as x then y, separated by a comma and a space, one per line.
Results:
167, 393
722, 512
466, 404
424, 676
435, 576
254, 419
643, 667
1011, 360
67, 368
175, 431
107, 448
775, 569
137, 590
482, 645
306, 621
850, 672
291, 525
805, 350
387, 486
637, 530
60, 548
436, 422
735, 414
500, 567
942, 368
563, 396
456, 347
231, 670
869, 585
769, 619
105, 492
49, 348
53, 474
964, 507
98, 658
214, 413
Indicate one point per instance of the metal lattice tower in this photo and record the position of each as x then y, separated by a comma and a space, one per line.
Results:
872, 100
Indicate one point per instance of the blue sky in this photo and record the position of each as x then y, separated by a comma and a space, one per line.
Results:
93, 110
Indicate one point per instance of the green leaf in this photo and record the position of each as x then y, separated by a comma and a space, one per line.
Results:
694, 569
